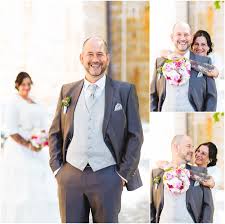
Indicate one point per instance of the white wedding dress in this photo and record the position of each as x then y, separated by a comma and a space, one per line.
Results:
28, 189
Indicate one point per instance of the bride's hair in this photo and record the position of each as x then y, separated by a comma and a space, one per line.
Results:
212, 152
20, 77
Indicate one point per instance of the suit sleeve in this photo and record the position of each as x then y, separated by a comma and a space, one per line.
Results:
211, 93
152, 205
208, 207
153, 91
131, 157
56, 138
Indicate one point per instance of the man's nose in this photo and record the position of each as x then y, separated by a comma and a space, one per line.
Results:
183, 37
95, 58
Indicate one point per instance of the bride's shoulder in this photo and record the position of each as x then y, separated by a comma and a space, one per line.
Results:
13, 99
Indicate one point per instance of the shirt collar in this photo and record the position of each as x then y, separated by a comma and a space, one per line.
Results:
187, 54
100, 83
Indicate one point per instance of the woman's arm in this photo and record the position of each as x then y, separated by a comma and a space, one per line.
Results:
20, 140
213, 73
207, 69
208, 182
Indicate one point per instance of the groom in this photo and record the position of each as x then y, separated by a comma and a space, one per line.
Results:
95, 141
196, 94
194, 206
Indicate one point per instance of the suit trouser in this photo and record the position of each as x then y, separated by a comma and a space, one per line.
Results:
82, 191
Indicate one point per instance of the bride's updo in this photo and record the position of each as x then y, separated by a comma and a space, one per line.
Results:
20, 77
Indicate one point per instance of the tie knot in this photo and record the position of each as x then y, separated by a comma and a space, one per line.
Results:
92, 89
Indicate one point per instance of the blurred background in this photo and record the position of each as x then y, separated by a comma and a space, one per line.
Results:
200, 15
201, 127
45, 37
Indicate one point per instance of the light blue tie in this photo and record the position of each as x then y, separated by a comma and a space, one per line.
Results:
91, 96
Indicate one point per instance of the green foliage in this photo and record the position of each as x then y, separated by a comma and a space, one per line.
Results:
217, 116
217, 4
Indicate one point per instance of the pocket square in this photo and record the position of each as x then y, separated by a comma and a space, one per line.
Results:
118, 107
196, 184
199, 75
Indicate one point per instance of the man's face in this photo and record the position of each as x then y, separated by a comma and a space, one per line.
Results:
181, 37
185, 149
94, 58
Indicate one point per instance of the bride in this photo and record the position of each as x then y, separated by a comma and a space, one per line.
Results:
28, 190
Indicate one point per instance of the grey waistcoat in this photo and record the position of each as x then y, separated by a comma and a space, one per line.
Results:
87, 145
177, 98
175, 209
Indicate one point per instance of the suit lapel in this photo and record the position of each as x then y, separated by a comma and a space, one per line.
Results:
192, 56
108, 103
158, 193
190, 203
75, 96
161, 80
189, 198
161, 194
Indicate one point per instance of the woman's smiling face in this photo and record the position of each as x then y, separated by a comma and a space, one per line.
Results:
200, 46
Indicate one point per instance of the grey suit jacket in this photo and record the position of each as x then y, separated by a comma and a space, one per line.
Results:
122, 130
202, 91
199, 200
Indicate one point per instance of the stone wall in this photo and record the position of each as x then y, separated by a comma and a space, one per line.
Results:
129, 32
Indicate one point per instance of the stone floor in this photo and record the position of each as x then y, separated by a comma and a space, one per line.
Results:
135, 204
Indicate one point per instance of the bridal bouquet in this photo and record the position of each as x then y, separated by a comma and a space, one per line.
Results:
177, 71
39, 139
177, 180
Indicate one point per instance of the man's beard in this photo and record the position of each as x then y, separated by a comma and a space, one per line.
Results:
188, 158
98, 74
180, 48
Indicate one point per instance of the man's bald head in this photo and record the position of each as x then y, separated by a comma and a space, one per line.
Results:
96, 39
177, 139
182, 25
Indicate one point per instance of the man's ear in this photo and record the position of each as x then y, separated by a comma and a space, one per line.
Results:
171, 37
81, 58
177, 148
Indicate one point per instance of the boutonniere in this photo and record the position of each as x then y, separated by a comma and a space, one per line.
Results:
65, 103
156, 181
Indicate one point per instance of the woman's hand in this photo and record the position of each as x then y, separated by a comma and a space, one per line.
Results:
208, 182
169, 55
213, 73
33, 148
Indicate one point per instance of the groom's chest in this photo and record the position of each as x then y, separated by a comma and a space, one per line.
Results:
197, 81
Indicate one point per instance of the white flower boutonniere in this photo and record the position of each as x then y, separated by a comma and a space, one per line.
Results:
65, 103
156, 181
